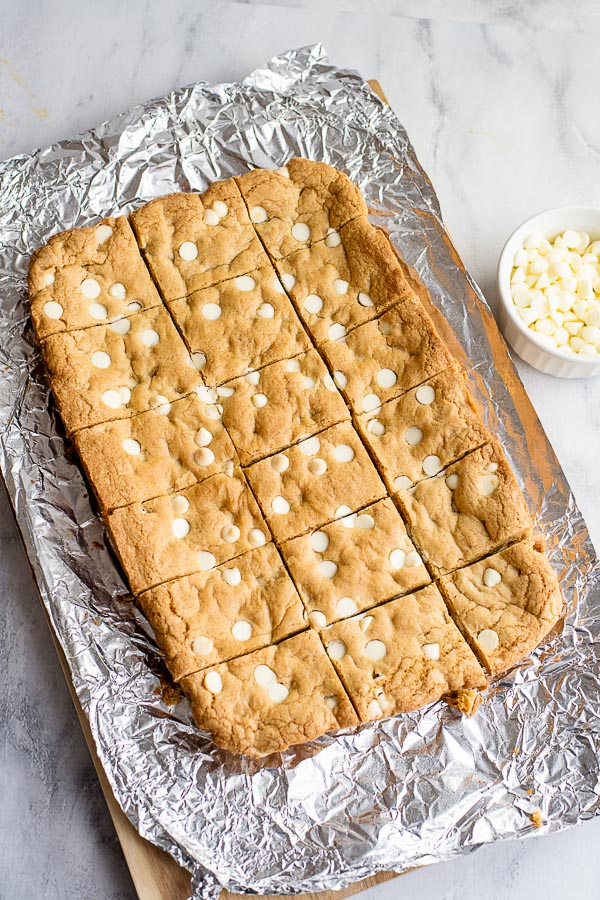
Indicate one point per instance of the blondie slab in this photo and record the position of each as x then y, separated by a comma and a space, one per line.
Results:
114, 371
156, 452
402, 655
325, 477
337, 285
353, 564
466, 512
191, 241
243, 323
210, 617
272, 408
299, 204
86, 276
505, 604
387, 356
268, 700
192, 531
423, 431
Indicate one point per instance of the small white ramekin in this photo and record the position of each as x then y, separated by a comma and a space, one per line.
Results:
524, 341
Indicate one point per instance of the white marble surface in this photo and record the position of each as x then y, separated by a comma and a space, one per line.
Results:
500, 99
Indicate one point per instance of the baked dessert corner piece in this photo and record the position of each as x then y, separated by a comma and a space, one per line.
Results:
354, 563
264, 702
192, 531
115, 371
213, 616
299, 204
191, 241
467, 511
86, 276
156, 452
338, 284
267, 410
423, 431
505, 604
402, 655
243, 323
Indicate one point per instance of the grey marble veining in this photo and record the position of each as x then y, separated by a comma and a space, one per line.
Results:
499, 99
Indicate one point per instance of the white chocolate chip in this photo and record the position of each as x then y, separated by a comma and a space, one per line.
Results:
278, 692
432, 651
97, 311
365, 299
134, 306
206, 560
341, 286
396, 559
202, 645
374, 710
149, 337
53, 309
344, 510
492, 467
213, 682
49, 279
300, 231
308, 383
293, 366
452, 481
256, 538
103, 232
258, 214
319, 541
374, 426
327, 568
203, 437
100, 359
331, 702
413, 436
277, 286
280, 505
131, 447
121, 326
230, 533
244, 283
425, 394
163, 407
402, 483
90, 288
329, 383
259, 401
117, 290
375, 650
491, 577
180, 528
283, 171
310, 446
336, 332
412, 559
343, 453
188, 251
232, 577
340, 379
336, 650
288, 281
180, 504
371, 403
280, 463
488, 639
211, 217
317, 466
432, 465
211, 311
364, 521
242, 630
317, 619
386, 378
488, 484
365, 623
204, 457
313, 304
252, 377
220, 208
265, 311
264, 676
346, 606
225, 391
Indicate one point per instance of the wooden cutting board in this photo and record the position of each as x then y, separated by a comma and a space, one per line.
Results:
155, 874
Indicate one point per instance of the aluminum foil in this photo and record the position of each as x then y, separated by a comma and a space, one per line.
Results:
401, 793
